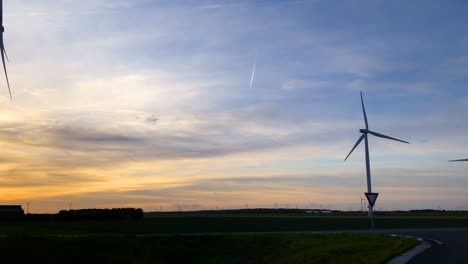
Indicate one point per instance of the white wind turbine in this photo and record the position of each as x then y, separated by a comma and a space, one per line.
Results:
365, 132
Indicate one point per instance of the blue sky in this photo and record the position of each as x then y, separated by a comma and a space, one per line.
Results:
147, 103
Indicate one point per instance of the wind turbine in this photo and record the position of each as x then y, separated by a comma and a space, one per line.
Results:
2, 48
364, 136
362, 205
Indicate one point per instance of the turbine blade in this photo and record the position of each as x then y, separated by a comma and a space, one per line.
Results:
364, 111
6, 55
458, 160
355, 145
4, 67
387, 137
2, 48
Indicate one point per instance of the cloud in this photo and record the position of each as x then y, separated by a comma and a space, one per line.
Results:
399, 188
218, 6
151, 120
413, 87
303, 84
197, 139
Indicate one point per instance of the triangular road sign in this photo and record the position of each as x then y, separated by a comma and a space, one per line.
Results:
371, 197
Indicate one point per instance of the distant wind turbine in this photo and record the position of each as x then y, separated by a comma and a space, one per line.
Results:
362, 205
2, 48
365, 132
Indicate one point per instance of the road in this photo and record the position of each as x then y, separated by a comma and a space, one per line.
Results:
453, 247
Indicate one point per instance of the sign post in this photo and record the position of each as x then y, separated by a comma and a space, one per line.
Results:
371, 198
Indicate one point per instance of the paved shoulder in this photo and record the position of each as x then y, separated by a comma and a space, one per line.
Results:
447, 245
407, 256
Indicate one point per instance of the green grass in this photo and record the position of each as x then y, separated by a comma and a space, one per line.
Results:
265, 248
170, 224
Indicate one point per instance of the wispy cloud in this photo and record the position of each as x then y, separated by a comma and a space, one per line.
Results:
415, 87
303, 84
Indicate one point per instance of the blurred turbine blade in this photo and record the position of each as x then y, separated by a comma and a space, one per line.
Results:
364, 111
2, 51
357, 143
387, 137
2, 48
458, 160
6, 55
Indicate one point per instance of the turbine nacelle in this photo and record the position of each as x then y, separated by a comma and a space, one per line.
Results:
364, 131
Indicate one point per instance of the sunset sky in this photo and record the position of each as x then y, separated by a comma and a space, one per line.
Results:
147, 103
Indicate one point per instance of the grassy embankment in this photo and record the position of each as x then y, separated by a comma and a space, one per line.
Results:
265, 248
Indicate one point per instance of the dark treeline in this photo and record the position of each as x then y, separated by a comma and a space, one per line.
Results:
253, 211
82, 214
137, 214
102, 214
425, 212
311, 212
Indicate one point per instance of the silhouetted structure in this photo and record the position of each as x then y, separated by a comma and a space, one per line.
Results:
11, 210
251, 211
102, 214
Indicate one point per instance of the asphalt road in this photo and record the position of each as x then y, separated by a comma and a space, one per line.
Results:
454, 247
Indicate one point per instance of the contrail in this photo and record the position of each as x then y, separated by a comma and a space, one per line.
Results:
253, 70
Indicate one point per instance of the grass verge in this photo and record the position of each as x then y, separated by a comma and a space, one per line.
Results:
264, 248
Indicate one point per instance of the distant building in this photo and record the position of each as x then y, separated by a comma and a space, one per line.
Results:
317, 211
11, 210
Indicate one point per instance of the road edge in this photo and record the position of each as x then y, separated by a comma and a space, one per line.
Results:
408, 255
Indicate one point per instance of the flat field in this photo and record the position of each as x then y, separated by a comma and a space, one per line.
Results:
183, 224
256, 248
157, 239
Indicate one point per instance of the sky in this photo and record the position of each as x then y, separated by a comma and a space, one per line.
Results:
148, 103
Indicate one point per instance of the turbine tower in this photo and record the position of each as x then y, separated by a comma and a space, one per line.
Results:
362, 204
364, 136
